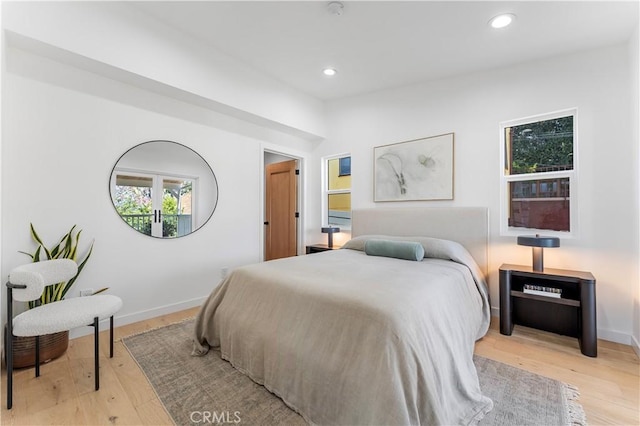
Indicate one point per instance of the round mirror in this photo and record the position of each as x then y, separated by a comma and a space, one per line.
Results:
163, 189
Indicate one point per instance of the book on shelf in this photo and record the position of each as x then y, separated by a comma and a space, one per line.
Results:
542, 291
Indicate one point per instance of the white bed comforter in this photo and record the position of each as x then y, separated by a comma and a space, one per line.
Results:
345, 338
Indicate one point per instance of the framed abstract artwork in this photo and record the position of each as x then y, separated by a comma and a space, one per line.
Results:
420, 169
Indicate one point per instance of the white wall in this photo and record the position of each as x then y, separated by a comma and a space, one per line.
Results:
117, 40
596, 82
64, 128
77, 103
60, 143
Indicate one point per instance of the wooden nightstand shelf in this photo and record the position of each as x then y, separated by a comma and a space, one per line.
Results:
317, 248
574, 314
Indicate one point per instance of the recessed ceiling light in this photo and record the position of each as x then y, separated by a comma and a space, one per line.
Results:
502, 21
329, 72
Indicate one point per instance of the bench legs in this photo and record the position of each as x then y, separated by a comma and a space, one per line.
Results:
96, 343
96, 353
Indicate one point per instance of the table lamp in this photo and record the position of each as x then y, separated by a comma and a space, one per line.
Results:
330, 230
538, 243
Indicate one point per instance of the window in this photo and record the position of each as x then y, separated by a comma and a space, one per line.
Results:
345, 166
338, 191
538, 181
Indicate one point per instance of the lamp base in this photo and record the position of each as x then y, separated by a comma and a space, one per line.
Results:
538, 259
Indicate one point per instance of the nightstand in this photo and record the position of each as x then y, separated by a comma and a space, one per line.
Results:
317, 248
572, 314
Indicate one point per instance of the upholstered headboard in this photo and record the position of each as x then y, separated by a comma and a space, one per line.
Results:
468, 226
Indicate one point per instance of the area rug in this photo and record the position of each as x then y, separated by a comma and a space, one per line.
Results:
208, 390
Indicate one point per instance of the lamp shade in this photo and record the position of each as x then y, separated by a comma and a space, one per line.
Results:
330, 229
538, 241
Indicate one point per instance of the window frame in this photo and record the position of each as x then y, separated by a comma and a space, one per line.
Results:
506, 179
326, 191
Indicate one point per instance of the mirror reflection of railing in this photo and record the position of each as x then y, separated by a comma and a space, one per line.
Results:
173, 225
163, 189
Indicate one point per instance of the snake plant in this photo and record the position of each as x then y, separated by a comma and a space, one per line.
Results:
67, 248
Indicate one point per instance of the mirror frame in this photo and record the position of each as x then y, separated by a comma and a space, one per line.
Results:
152, 172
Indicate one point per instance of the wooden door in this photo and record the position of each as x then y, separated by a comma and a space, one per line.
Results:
280, 210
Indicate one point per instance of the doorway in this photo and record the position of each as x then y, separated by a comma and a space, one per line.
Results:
281, 205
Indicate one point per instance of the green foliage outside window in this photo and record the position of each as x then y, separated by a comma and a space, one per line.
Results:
132, 200
542, 146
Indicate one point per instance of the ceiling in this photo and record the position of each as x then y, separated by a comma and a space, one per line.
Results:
376, 45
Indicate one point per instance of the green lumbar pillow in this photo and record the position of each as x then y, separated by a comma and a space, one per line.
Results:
407, 250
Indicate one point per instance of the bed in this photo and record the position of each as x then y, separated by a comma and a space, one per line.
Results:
344, 337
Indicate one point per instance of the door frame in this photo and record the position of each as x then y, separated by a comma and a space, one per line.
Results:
292, 155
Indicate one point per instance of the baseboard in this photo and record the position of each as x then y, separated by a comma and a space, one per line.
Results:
610, 335
140, 316
615, 336
495, 312
604, 334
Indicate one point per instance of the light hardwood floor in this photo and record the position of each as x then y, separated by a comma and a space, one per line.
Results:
609, 384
